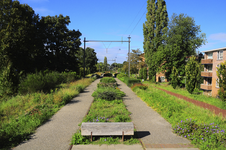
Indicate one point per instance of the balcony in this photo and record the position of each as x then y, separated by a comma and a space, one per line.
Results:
206, 74
207, 61
206, 87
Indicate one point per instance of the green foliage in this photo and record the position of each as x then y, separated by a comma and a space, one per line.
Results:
77, 138
174, 110
182, 42
108, 80
193, 75
102, 85
201, 133
221, 74
18, 120
42, 81
174, 81
131, 81
90, 59
135, 61
108, 94
141, 73
145, 73
139, 85
154, 31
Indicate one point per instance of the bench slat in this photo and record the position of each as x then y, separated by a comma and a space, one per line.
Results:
107, 128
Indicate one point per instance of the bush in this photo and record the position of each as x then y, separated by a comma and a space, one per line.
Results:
130, 81
145, 73
139, 85
108, 80
102, 85
44, 81
174, 81
121, 75
108, 94
107, 75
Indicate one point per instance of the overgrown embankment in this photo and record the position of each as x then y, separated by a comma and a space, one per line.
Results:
202, 127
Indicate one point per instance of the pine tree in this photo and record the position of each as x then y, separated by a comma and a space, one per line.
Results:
154, 31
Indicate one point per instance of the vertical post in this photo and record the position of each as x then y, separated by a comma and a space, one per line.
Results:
129, 56
84, 56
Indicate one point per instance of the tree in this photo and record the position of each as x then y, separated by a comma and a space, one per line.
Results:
154, 31
145, 73
105, 63
221, 74
135, 61
182, 41
90, 59
17, 47
193, 74
174, 75
61, 44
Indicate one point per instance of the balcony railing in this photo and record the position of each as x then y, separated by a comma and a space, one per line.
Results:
206, 74
207, 61
206, 87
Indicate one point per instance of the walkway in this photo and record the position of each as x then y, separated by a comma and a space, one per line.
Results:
154, 130
56, 134
214, 109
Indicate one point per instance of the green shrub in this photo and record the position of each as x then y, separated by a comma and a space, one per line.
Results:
108, 94
174, 81
145, 73
141, 73
101, 85
131, 81
107, 75
44, 81
108, 80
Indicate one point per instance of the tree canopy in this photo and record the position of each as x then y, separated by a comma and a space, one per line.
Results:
154, 31
183, 39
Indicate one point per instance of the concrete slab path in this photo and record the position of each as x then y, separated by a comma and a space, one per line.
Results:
152, 128
56, 133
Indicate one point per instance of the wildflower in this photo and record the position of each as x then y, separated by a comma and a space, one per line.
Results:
185, 136
202, 138
181, 121
105, 139
192, 133
188, 135
222, 130
206, 131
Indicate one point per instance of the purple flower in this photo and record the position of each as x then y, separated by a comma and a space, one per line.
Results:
202, 138
185, 136
105, 139
222, 130
181, 121
192, 133
206, 131
188, 135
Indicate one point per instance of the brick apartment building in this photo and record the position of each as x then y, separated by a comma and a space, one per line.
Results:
212, 60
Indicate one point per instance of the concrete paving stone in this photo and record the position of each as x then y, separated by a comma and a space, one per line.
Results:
107, 147
172, 149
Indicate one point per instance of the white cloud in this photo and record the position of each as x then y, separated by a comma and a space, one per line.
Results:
218, 36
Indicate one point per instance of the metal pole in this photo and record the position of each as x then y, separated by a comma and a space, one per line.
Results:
129, 55
84, 55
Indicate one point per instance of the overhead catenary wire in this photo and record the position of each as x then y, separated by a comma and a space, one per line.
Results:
135, 17
138, 22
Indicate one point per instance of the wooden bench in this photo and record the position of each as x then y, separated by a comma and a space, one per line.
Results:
107, 128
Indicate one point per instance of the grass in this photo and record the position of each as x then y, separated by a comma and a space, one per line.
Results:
22, 114
203, 98
201, 126
105, 110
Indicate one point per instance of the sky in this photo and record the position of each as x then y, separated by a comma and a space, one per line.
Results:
116, 20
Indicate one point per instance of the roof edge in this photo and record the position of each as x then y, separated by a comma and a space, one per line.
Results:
214, 49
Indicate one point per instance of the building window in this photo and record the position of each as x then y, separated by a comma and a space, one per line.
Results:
209, 68
209, 55
162, 78
218, 66
219, 55
217, 83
